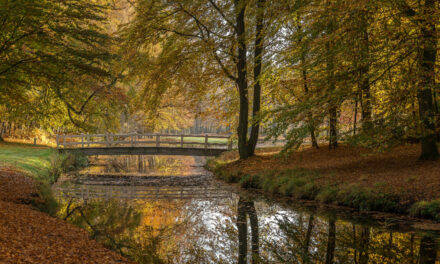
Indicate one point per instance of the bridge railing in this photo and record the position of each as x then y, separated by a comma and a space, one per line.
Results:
142, 192
143, 140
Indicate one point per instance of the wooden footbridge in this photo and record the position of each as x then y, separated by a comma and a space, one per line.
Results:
145, 144
86, 192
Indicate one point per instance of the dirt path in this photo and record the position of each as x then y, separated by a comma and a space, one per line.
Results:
30, 236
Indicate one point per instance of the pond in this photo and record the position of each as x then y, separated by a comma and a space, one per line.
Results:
169, 209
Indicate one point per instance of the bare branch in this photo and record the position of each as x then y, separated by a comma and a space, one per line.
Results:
223, 14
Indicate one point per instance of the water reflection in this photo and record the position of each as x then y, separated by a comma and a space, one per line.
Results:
236, 229
246, 208
241, 231
146, 165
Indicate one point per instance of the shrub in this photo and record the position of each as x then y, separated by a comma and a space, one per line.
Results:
46, 201
426, 209
62, 163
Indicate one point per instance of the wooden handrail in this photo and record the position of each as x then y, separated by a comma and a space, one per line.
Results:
134, 139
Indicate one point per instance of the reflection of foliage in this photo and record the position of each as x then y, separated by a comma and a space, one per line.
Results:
110, 222
142, 163
206, 232
304, 239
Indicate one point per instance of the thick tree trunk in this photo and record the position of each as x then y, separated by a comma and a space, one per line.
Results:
427, 58
258, 54
247, 148
241, 82
331, 242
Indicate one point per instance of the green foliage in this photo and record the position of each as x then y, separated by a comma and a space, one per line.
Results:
426, 209
46, 202
55, 64
368, 200
300, 184
62, 163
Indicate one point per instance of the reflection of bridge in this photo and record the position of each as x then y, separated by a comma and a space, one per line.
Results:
145, 144
86, 192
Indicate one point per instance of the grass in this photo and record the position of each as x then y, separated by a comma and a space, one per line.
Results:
198, 139
33, 160
43, 164
389, 182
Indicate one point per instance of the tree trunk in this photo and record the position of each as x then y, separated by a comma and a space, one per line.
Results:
364, 73
241, 81
355, 114
306, 91
333, 120
333, 108
427, 58
258, 54
331, 242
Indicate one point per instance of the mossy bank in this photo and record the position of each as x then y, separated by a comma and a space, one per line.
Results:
394, 182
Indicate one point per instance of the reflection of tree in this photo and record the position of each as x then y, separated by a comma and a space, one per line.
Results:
247, 208
112, 223
331, 241
306, 254
428, 250
361, 250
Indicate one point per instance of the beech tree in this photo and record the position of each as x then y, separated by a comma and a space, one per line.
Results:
219, 33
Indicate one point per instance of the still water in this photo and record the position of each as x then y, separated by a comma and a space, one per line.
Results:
170, 210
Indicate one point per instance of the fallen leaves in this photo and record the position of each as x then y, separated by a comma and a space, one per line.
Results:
397, 171
30, 236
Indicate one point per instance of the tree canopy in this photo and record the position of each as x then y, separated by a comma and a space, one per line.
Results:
360, 72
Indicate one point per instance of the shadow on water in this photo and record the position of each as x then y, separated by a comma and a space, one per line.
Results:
242, 228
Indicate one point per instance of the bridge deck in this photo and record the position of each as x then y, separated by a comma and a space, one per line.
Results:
86, 192
145, 144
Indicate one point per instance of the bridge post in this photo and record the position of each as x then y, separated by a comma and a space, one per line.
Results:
58, 141
230, 144
181, 141
107, 136
206, 141
82, 140
157, 140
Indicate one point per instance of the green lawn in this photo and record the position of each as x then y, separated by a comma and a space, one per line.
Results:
198, 139
34, 160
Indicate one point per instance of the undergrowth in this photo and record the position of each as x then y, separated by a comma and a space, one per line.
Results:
301, 184
426, 209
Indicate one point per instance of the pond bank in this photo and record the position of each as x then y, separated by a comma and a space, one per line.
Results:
29, 232
393, 181
30, 236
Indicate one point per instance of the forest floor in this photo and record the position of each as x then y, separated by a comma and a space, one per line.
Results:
344, 176
30, 236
